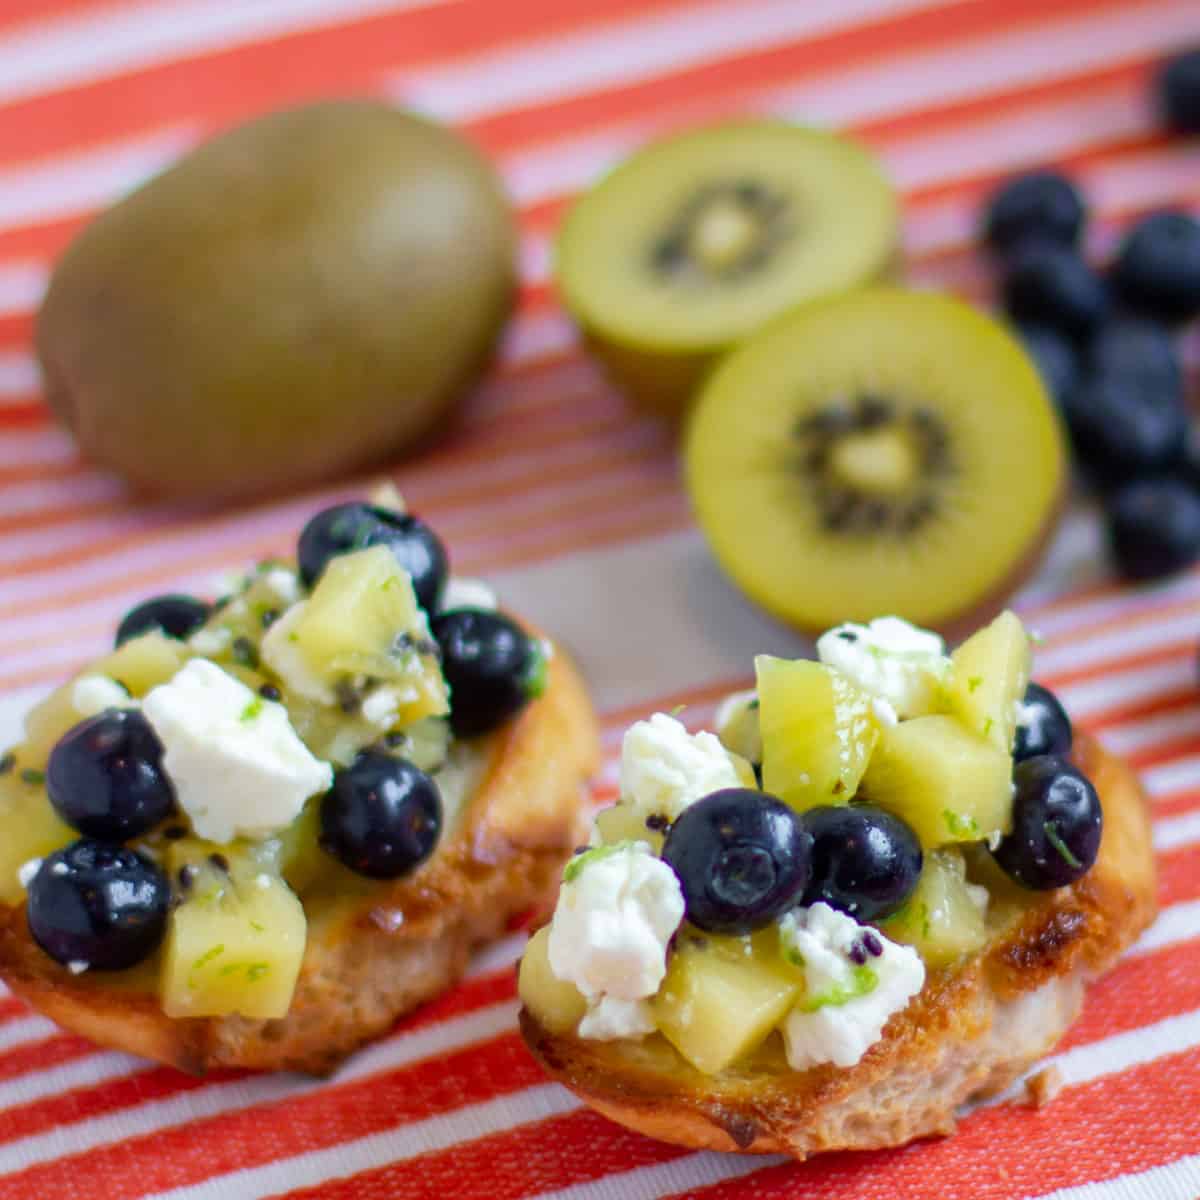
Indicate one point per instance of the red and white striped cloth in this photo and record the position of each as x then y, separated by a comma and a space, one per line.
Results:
582, 525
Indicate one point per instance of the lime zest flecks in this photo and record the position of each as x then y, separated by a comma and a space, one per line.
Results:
253, 709
255, 971
575, 867
863, 981
208, 956
960, 825
974, 683
1061, 847
33, 776
536, 673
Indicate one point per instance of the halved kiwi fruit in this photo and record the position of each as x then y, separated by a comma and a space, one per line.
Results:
697, 241
884, 451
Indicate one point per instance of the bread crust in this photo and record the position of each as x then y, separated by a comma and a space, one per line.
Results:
969, 1033
375, 956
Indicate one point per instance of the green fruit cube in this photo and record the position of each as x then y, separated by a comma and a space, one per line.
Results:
988, 678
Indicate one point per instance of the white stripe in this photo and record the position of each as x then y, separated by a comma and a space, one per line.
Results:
1153, 731
391, 1145
627, 53
680, 1175
41, 495
1179, 1180
1083, 1064
22, 285
55, 55
13, 707
19, 375
1177, 923
1125, 687
1110, 644
19, 448
1179, 775
25, 1029
1172, 832
217, 1098
75, 183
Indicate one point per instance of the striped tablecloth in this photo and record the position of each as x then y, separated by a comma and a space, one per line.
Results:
572, 506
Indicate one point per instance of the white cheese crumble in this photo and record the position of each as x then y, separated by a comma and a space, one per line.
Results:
664, 768
890, 660
211, 642
92, 694
617, 911
885, 714
382, 707
77, 966
855, 979
468, 593
27, 870
237, 764
281, 652
283, 583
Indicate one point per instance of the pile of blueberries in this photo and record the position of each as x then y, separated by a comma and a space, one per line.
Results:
1105, 344
99, 903
744, 858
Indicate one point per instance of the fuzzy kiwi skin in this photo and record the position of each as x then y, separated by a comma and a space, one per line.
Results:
298, 297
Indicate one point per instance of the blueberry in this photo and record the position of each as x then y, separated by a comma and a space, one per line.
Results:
1056, 824
1140, 350
382, 817
105, 776
492, 666
98, 904
1157, 269
1049, 284
742, 858
1179, 91
865, 862
1042, 204
349, 527
1125, 428
1154, 527
1056, 359
175, 615
1044, 727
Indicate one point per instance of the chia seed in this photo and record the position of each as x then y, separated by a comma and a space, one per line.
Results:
858, 954
187, 876
269, 691
348, 697
7, 762
872, 944
174, 832
847, 636
220, 862
245, 652
268, 617
657, 822
393, 741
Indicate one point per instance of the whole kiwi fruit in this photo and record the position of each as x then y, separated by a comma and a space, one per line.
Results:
300, 296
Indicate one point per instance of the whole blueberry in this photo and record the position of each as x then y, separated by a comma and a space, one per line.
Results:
1179, 91
742, 858
865, 862
1049, 284
105, 776
1140, 350
349, 527
1042, 204
175, 615
494, 668
1154, 527
99, 905
1056, 359
1057, 824
1044, 727
1157, 269
382, 817
1125, 428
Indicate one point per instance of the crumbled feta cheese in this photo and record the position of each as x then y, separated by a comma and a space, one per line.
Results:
77, 966
226, 582
92, 694
387, 495
283, 583
664, 768
610, 1018
889, 659
885, 714
281, 652
382, 707
855, 979
27, 870
618, 909
468, 593
211, 642
237, 764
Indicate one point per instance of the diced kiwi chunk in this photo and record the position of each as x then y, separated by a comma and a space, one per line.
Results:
558, 1005
941, 920
29, 826
988, 678
818, 732
235, 941
143, 662
737, 726
620, 823
362, 621
722, 996
949, 784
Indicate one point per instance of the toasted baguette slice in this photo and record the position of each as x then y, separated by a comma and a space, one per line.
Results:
969, 1033
373, 957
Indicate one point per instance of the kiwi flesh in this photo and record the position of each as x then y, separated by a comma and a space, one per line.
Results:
300, 296
881, 451
698, 240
